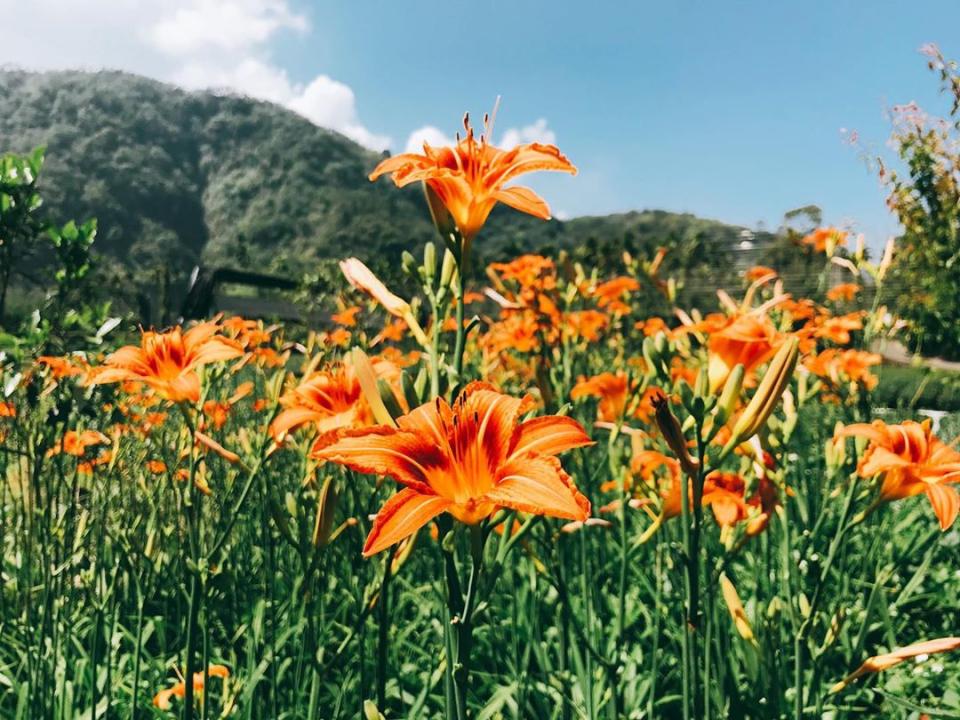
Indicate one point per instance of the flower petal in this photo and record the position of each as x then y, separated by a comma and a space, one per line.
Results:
524, 200
404, 456
946, 503
539, 485
401, 516
549, 435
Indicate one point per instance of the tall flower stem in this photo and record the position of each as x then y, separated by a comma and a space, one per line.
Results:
462, 256
459, 635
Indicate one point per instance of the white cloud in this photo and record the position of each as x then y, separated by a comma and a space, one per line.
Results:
332, 104
536, 132
223, 24
429, 134
252, 77
197, 44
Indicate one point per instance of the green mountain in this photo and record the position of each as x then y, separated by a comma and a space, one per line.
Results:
178, 178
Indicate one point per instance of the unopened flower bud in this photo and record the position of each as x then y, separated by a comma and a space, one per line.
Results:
673, 434
430, 260
768, 394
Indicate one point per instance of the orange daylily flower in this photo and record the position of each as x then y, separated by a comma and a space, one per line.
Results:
911, 460
845, 292
76, 442
612, 390
62, 367
759, 272
848, 365
469, 178
837, 329
329, 399
168, 362
825, 239
609, 294
469, 460
162, 699
747, 339
346, 317
7, 410
652, 326
888, 660
585, 324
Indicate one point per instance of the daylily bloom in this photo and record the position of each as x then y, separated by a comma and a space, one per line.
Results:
759, 272
825, 239
61, 367
329, 399
845, 365
911, 460
168, 362
469, 460
612, 390
469, 178
162, 699
76, 442
844, 292
346, 317
888, 660
747, 339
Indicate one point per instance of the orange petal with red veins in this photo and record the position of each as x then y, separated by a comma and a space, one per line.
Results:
404, 456
549, 435
401, 516
539, 485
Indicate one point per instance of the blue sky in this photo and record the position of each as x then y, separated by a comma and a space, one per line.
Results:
730, 110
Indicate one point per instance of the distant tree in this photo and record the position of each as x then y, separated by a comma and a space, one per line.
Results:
20, 225
925, 196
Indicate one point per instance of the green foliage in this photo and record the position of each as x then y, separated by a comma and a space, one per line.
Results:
914, 387
20, 225
926, 199
178, 178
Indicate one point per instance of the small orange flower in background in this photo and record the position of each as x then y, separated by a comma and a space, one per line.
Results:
651, 326
837, 329
62, 367
346, 317
825, 240
888, 660
156, 467
168, 362
218, 412
585, 324
468, 460
911, 460
845, 365
76, 442
610, 294
470, 177
162, 699
613, 391
7, 410
759, 272
844, 292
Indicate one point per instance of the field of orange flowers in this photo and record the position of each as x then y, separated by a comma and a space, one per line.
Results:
515, 494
